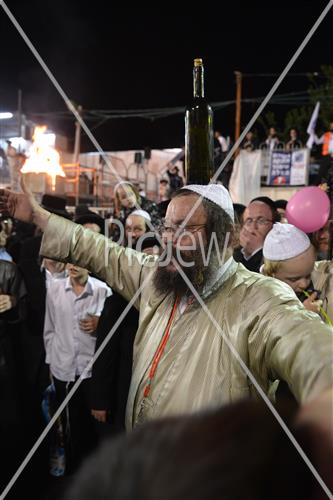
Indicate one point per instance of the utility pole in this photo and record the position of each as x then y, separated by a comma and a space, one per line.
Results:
19, 112
76, 155
77, 141
238, 75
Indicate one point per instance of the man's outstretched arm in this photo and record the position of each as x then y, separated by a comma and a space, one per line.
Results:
23, 206
69, 242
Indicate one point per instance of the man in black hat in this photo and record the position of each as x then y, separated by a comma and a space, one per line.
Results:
281, 206
91, 220
55, 205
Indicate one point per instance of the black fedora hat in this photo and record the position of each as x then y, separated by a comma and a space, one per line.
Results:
90, 217
55, 205
81, 209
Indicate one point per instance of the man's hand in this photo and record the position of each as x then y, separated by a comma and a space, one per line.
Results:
89, 324
250, 241
99, 415
23, 206
6, 302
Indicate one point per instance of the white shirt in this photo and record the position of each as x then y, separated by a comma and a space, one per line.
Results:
69, 349
224, 143
272, 142
50, 277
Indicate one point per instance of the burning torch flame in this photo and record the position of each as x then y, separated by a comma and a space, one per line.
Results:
43, 158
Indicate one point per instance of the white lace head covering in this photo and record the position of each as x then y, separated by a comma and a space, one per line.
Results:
285, 241
142, 213
216, 193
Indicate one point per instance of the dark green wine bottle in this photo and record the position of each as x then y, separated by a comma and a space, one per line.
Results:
199, 134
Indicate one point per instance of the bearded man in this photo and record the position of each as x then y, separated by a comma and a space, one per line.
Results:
182, 361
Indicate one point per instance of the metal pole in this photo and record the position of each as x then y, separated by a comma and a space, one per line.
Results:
238, 75
19, 112
96, 180
76, 155
145, 169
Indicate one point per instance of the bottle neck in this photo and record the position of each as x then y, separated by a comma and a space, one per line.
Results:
198, 82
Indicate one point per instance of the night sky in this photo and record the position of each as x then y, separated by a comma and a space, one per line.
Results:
132, 58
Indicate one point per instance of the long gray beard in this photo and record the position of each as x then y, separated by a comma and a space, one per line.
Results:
199, 274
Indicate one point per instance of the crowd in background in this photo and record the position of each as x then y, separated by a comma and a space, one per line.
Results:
42, 300
54, 317
294, 139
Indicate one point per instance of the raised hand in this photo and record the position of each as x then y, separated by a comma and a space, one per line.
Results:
23, 206
250, 240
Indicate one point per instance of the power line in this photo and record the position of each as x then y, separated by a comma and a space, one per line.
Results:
297, 98
272, 75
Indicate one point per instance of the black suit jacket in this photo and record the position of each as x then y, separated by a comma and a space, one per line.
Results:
253, 264
34, 279
37, 371
112, 371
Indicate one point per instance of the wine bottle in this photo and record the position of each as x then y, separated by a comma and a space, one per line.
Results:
199, 135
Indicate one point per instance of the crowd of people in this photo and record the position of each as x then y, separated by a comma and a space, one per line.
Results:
175, 283
273, 139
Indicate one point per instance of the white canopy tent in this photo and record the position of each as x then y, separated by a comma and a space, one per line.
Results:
132, 165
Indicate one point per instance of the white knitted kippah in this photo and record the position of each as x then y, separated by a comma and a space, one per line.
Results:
142, 213
285, 241
216, 193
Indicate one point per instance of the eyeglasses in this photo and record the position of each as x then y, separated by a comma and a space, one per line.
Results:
261, 221
171, 229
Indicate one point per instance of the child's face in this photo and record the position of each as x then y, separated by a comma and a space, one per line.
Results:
127, 197
77, 272
296, 272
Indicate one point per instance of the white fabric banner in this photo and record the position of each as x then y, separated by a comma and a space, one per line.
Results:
312, 126
244, 184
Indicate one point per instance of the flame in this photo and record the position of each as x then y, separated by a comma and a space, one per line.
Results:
43, 158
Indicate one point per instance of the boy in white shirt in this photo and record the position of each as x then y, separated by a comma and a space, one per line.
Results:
73, 307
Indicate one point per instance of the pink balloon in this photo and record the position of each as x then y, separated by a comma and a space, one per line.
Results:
308, 209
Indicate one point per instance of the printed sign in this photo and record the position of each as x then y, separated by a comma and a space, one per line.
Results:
288, 168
